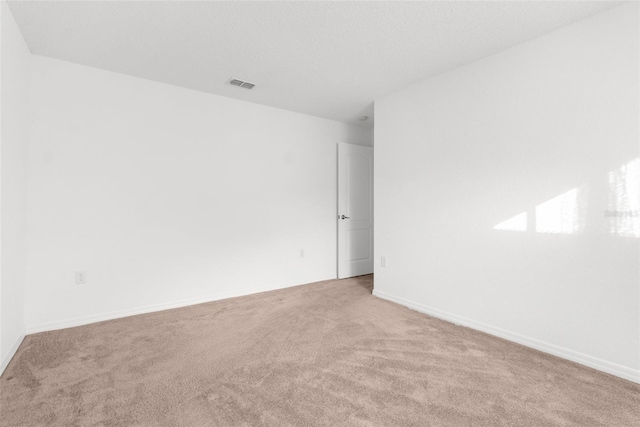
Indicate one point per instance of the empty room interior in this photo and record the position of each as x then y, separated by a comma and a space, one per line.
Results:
230, 213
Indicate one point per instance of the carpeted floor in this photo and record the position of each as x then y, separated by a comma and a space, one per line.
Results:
325, 354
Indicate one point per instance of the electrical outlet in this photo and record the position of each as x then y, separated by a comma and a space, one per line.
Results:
383, 261
81, 277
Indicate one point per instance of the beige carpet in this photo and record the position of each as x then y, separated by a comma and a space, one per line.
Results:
325, 354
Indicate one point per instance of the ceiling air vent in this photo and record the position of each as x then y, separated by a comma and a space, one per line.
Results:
240, 83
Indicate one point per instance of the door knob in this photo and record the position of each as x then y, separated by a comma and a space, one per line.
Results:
344, 217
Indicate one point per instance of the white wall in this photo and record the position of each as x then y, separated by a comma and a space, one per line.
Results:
13, 177
167, 196
462, 152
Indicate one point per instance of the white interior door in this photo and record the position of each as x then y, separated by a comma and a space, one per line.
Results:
355, 210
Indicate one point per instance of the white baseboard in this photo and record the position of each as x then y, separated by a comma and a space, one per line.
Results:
12, 352
565, 353
85, 320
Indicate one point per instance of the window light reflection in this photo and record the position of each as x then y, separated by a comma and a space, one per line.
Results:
559, 215
624, 200
566, 213
516, 223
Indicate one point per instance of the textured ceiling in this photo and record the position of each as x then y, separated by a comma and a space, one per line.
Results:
328, 59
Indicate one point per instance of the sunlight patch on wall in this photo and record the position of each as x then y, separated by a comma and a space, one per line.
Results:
516, 223
624, 200
563, 214
566, 213
559, 215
